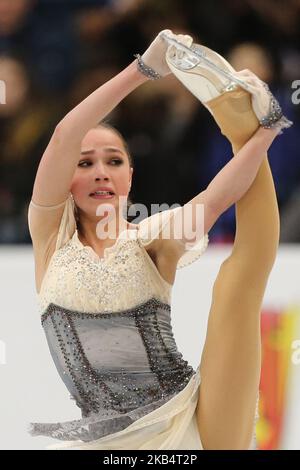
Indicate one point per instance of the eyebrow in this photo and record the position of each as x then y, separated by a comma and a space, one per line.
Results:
107, 150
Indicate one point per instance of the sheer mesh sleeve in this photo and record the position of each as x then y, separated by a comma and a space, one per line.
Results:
67, 225
45, 222
151, 227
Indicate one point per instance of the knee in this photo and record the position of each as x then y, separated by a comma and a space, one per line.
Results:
258, 259
237, 272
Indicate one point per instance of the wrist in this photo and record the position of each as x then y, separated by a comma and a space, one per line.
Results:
275, 117
137, 74
145, 69
265, 136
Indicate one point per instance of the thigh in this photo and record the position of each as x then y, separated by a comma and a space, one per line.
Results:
231, 358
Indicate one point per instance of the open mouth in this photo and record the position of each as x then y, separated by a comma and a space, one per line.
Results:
102, 194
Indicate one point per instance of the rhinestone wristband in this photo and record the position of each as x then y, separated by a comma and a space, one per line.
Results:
275, 118
145, 69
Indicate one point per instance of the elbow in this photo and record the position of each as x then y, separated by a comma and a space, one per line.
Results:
68, 130
61, 129
211, 216
58, 134
62, 133
214, 209
217, 204
59, 140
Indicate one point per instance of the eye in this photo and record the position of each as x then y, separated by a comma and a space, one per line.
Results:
83, 163
116, 161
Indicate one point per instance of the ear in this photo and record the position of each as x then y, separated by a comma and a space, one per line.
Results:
130, 179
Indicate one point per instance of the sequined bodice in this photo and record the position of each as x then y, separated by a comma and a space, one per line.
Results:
78, 279
118, 362
108, 326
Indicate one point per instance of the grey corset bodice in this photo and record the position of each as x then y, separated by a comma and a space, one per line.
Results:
117, 366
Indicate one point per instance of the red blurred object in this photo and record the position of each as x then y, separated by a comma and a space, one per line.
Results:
276, 330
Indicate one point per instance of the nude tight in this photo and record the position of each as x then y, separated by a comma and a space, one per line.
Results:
231, 359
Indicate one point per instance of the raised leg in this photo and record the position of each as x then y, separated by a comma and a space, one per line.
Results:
231, 360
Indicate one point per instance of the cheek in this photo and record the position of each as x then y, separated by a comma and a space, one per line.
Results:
122, 183
78, 184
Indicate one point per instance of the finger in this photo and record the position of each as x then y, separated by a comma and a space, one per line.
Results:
246, 72
249, 78
166, 32
256, 82
250, 74
185, 40
250, 86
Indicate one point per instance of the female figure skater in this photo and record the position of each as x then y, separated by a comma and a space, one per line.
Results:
105, 307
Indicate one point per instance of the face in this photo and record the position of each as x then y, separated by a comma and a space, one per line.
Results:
12, 13
103, 163
16, 82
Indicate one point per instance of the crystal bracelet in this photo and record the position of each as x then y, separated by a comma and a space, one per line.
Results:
145, 69
275, 118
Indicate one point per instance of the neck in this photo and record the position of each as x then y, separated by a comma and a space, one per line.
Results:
95, 232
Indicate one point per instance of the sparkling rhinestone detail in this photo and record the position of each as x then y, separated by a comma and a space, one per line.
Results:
275, 117
77, 280
145, 69
145, 369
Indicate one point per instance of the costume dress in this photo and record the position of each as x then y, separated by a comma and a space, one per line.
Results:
107, 322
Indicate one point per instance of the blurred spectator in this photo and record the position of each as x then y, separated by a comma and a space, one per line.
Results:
252, 56
284, 153
16, 80
284, 16
42, 35
53, 53
13, 16
26, 126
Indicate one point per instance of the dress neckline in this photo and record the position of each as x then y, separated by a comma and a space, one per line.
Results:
126, 234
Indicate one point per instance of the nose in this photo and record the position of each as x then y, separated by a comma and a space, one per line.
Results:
100, 172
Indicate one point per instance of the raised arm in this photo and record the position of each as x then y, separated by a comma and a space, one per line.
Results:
231, 183
234, 180
58, 164
59, 161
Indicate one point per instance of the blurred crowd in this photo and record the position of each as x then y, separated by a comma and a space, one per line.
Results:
53, 53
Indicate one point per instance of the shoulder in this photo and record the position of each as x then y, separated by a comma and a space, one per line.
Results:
156, 226
155, 235
162, 234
